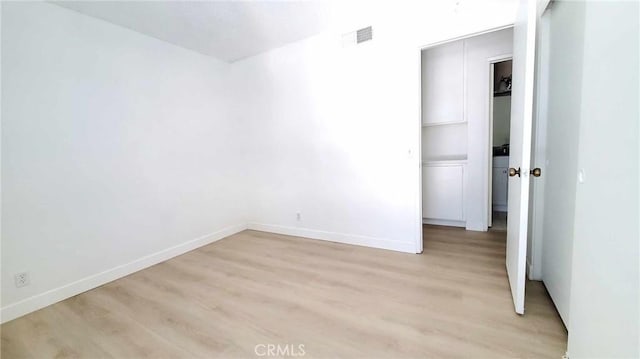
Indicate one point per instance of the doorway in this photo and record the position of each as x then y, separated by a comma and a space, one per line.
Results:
456, 83
468, 204
500, 125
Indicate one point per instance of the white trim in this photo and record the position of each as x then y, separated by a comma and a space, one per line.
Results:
465, 97
478, 226
442, 42
354, 239
543, 6
418, 241
539, 149
444, 222
1, 168
488, 193
55, 295
432, 124
499, 58
444, 163
492, 67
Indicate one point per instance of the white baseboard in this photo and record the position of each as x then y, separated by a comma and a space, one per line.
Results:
382, 243
41, 300
52, 296
444, 222
478, 226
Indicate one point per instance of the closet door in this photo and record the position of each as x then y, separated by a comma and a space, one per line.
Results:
443, 84
566, 22
442, 193
604, 302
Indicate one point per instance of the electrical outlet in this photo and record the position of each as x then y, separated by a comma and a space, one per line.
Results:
298, 216
21, 279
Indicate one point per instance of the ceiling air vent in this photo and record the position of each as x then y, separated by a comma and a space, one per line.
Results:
356, 37
365, 34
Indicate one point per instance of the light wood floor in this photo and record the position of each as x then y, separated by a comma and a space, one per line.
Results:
337, 300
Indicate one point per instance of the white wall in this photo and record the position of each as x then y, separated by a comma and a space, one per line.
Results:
336, 133
117, 151
605, 283
324, 145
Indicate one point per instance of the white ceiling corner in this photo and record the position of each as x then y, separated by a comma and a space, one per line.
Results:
226, 30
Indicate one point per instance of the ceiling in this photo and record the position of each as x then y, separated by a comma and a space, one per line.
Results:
227, 30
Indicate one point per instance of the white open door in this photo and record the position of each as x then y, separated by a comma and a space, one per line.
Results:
524, 31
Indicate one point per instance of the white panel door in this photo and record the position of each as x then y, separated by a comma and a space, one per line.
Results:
524, 31
442, 194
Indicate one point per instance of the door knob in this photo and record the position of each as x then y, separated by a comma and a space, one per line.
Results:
536, 172
513, 172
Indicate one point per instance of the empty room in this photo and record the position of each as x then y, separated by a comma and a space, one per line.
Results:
321, 179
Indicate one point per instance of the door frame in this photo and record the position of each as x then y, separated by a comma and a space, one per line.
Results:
539, 159
418, 56
489, 190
